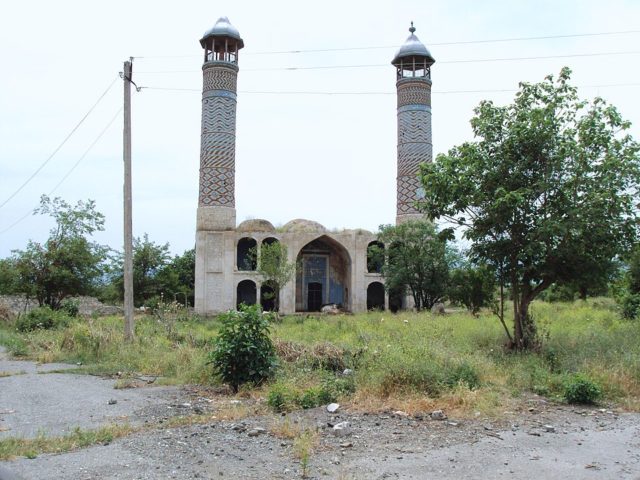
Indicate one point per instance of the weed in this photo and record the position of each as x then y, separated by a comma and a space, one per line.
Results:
303, 446
42, 318
580, 389
78, 438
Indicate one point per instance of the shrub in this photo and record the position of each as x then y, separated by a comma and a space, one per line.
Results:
630, 305
281, 398
42, 318
70, 307
463, 373
243, 351
581, 389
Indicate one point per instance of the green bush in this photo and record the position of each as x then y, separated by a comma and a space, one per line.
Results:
463, 373
312, 397
243, 351
70, 307
280, 398
42, 318
581, 389
630, 305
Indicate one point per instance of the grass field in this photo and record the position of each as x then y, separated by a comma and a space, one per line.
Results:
408, 361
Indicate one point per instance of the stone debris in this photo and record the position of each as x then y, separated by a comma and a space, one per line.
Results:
341, 429
438, 415
256, 431
333, 407
438, 308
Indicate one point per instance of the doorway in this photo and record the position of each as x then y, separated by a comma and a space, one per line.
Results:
314, 296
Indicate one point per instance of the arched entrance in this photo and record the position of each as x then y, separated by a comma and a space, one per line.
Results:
246, 293
375, 296
323, 276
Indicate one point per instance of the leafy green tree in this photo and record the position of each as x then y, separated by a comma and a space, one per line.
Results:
8, 276
416, 260
547, 191
149, 259
274, 268
177, 277
68, 263
472, 286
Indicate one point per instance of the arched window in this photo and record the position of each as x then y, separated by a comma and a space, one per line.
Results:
246, 258
269, 241
246, 293
375, 296
375, 256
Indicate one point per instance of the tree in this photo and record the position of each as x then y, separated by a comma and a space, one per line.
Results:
416, 260
274, 268
67, 264
546, 192
149, 259
177, 277
472, 286
8, 276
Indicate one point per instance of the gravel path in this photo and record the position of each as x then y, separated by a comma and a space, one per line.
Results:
33, 401
542, 440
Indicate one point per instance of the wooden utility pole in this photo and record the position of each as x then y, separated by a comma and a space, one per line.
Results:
129, 326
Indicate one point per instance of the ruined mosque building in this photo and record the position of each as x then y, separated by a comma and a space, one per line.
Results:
334, 268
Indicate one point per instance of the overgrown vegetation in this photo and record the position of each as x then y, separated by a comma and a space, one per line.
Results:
32, 447
409, 361
243, 351
547, 193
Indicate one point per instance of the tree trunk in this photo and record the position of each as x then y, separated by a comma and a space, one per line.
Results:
525, 329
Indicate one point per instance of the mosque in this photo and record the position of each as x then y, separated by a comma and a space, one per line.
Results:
333, 268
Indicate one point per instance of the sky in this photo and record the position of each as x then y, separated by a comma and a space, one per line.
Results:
315, 143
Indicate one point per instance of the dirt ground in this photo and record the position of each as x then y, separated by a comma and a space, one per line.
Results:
541, 440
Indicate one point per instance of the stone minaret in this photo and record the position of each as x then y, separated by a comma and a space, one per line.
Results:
413, 72
216, 202
216, 199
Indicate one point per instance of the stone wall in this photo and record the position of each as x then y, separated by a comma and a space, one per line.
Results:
18, 304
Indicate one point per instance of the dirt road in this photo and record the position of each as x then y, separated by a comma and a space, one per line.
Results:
544, 440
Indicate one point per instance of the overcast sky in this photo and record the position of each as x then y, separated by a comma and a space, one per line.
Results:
328, 158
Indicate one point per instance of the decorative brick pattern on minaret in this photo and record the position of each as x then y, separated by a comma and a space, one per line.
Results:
413, 72
414, 140
218, 138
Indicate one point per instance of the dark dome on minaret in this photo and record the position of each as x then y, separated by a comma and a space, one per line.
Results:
413, 48
223, 28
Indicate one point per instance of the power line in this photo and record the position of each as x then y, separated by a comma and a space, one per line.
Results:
73, 167
436, 92
460, 42
377, 65
59, 146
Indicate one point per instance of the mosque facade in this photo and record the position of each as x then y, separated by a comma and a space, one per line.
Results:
333, 268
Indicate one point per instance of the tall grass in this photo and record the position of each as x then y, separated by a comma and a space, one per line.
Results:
408, 360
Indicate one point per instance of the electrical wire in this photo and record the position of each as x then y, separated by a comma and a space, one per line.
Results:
435, 92
59, 146
462, 42
73, 167
378, 65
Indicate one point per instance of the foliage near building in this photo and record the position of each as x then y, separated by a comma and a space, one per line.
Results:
546, 194
68, 263
416, 261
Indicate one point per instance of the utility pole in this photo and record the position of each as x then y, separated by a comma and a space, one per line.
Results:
129, 326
